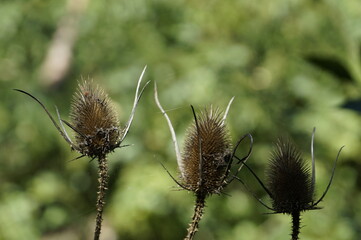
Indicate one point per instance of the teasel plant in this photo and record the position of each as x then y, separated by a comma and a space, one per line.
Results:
206, 163
97, 131
290, 183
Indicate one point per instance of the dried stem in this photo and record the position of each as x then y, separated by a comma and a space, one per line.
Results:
103, 186
295, 225
197, 216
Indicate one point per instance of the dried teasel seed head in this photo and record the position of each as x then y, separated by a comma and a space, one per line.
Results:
289, 180
203, 172
94, 121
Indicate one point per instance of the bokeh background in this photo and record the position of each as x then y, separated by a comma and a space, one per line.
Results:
292, 65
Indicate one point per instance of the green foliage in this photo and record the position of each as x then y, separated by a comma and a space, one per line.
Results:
291, 65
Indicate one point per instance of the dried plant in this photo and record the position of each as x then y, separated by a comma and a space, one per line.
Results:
290, 183
97, 131
206, 161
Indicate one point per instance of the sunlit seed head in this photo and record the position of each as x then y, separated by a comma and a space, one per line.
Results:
94, 120
216, 148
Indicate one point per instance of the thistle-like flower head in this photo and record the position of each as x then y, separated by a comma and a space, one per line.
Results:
206, 160
290, 183
289, 180
206, 153
97, 131
94, 121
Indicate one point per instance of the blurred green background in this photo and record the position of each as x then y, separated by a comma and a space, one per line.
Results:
291, 65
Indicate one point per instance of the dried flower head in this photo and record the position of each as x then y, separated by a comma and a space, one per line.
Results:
209, 135
205, 163
290, 182
97, 132
206, 160
94, 121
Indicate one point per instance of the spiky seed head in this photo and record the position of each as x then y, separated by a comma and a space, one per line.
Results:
289, 180
94, 120
216, 149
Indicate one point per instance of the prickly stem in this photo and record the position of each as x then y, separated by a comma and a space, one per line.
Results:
197, 216
103, 186
295, 225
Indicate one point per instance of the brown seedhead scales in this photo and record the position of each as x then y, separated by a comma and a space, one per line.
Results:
290, 182
97, 132
94, 121
213, 139
289, 179
206, 160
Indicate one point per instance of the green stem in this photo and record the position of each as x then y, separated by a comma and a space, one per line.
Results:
103, 186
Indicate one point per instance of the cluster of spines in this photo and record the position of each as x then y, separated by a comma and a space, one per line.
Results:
290, 183
207, 146
206, 160
94, 121
289, 179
